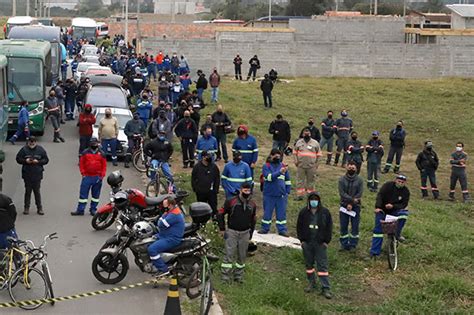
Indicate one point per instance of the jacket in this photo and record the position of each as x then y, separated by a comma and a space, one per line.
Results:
134, 127
280, 129
350, 188
70, 91
248, 147
163, 88
324, 225
86, 121
93, 163
397, 137
328, 127
254, 63
306, 154
343, 127
214, 80
354, 151
205, 179
201, 83
51, 104
458, 160
266, 85
162, 125
315, 134
32, 172
240, 214
389, 193
23, 117
427, 160
186, 128
234, 175
208, 144
276, 183
221, 120
144, 109
237, 61
171, 226
7, 214
158, 149
375, 151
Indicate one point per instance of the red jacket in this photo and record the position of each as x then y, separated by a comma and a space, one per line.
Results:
86, 121
93, 164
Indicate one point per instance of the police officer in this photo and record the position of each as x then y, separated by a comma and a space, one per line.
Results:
397, 143
314, 229
235, 173
247, 145
7, 220
240, 211
306, 153
354, 151
375, 153
135, 131
328, 128
427, 163
343, 130
458, 172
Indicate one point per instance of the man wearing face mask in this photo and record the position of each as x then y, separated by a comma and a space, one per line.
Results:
54, 113
392, 199
306, 153
214, 82
343, 130
314, 229
160, 150
235, 173
351, 187
427, 163
247, 145
276, 190
144, 108
281, 131
108, 133
458, 172
240, 211
93, 167
23, 123
221, 120
205, 181
135, 131
187, 131
328, 127
315, 134
375, 153
354, 151
238, 67
397, 143
86, 121
32, 157
162, 124
206, 143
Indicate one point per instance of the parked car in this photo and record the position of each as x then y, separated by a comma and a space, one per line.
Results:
93, 70
91, 59
122, 116
106, 78
106, 95
81, 68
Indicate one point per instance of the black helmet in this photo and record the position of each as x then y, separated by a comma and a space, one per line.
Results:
115, 179
121, 199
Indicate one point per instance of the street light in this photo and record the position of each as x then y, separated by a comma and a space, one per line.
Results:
269, 10
126, 23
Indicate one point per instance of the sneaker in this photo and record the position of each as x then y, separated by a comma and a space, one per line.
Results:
26, 211
327, 293
262, 232
284, 234
62, 139
56, 141
75, 213
40, 212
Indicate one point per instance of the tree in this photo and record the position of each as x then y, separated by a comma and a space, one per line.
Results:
307, 7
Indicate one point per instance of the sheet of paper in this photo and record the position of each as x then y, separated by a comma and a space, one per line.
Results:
344, 210
390, 218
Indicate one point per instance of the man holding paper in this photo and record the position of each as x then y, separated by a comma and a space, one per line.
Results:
392, 200
351, 187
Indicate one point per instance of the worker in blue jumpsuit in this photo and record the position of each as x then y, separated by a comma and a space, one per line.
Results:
208, 143
277, 187
170, 235
247, 145
235, 173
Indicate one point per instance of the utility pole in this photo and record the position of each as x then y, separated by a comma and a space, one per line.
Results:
269, 10
375, 7
36, 8
138, 27
14, 8
173, 6
404, 7
27, 7
126, 23
337, 5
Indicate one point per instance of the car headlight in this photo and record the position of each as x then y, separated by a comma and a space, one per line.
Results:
38, 110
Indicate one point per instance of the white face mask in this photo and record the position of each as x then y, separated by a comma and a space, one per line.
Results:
459, 149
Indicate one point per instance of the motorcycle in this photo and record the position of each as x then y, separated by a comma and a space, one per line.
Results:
111, 265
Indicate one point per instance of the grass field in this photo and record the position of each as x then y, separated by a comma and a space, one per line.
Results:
435, 272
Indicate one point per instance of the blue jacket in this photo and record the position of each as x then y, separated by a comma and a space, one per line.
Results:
23, 117
276, 184
248, 147
186, 83
206, 143
171, 226
74, 65
144, 109
234, 175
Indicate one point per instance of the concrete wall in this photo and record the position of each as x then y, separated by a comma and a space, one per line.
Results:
457, 22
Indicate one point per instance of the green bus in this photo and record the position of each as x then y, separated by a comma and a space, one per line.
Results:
3, 101
29, 65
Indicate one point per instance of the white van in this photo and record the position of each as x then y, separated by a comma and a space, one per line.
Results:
84, 28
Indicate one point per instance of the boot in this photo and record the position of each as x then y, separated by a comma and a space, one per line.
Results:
396, 169
336, 159
451, 196
465, 197
62, 139
127, 161
327, 293
311, 283
56, 137
386, 169
328, 160
376, 186
435, 194
26, 211
40, 211
424, 193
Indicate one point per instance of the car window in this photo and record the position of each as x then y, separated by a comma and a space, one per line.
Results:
107, 96
122, 119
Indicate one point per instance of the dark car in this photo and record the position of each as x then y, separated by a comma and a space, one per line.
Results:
106, 95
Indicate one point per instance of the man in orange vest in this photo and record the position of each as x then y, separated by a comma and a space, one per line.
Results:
307, 153
159, 61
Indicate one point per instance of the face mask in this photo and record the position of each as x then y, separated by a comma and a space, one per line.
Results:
245, 196
94, 147
429, 148
330, 116
306, 138
162, 138
241, 133
136, 117
162, 116
354, 138
375, 138
399, 127
32, 146
276, 160
208, 160
310, 123
458, 149
237, 160
88, 110
108, 115
313, 203
399, 185
351, 172
344, 114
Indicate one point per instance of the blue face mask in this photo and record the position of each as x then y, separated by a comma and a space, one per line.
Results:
314, 203
162, 138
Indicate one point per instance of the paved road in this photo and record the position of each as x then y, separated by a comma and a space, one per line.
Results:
71, 255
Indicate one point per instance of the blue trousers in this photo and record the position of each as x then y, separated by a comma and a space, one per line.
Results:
349, 240
215, 94
278, 204
4, 244
377, 238
112, 143
165, 167
158, 247
70, 104
175, 98
200, 92
19, 132
94, 184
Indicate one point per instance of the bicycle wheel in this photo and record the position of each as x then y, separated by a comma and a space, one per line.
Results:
138, 162
206, 296
392, 253
194, 283
34, 289
49, 281
156, 188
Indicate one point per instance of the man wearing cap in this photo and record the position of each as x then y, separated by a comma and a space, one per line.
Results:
187, 132
206, 143
375, 153
306, 153
392, 199
343, 130
247, 145
144, 108
86, 121
315, 134
314, 230
397, 143
427, 163
235, 173
33, 158
205, 181
135, 131
93, 166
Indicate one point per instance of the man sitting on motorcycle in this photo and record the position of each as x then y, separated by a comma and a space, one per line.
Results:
160, 151
170, 235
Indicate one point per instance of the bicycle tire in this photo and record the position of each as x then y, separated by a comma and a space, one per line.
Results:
138, 163
206, 296
194, 283
155, 188
14, 281
49, 281
392, 253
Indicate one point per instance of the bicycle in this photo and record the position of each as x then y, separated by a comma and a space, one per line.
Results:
390, 229
139, 160
27, 283
159, 185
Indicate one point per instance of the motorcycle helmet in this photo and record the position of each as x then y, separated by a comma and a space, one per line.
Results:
143, 229
121, 200
115, 179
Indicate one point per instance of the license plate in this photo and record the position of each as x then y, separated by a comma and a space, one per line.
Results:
10, 121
